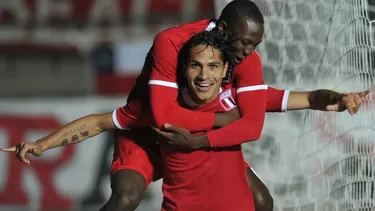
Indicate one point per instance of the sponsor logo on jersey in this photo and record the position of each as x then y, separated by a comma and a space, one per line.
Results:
227, 101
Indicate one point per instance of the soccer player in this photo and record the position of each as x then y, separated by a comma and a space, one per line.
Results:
241, 16
211, 179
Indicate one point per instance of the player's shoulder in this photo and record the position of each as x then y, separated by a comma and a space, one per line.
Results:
182, 32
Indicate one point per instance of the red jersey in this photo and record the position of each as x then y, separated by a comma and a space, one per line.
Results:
251, 90
207, 180
157, 103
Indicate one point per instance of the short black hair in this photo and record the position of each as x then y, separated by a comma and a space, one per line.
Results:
217, 39
241, 10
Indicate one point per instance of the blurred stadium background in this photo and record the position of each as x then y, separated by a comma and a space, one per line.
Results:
62, 59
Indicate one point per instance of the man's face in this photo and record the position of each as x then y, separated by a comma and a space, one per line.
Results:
248, 35
204, 72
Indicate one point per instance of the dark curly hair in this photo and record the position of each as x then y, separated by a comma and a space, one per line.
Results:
217, 39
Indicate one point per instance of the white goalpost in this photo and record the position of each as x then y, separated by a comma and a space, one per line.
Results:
311, 160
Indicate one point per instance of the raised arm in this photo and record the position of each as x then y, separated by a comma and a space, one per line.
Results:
277, 101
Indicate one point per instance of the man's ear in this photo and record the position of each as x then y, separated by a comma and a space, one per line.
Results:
221, 25
225, 69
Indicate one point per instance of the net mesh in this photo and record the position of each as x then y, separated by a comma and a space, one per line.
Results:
313, 160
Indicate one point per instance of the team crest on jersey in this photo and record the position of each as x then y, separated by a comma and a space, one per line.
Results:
227, 101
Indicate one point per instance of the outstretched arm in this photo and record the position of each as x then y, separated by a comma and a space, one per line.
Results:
72, 133
277, 101
325, 100
320, 99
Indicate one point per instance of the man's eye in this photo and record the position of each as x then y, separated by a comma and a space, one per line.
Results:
245, 42
213, 66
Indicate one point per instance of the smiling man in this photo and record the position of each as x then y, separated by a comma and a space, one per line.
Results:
207, 179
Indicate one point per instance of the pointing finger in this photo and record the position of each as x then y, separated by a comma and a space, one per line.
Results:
362, 94
9, 149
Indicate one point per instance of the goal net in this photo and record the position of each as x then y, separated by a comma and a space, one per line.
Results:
311, 160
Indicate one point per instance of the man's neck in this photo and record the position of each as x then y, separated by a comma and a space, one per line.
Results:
190, 99
199, 102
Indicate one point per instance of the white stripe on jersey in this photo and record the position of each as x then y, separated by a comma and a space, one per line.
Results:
228, 103
163, 83
115, 120
284, 104
252, 88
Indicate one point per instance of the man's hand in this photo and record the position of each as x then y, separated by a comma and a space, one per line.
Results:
226, 118
181, 139
327, 100
351, 101
21, 149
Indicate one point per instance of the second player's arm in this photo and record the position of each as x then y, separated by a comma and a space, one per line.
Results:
283, 100
320, 99
254, 99
251, 100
